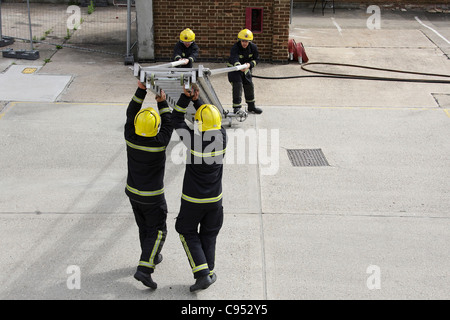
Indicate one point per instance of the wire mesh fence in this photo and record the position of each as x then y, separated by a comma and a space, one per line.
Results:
100, 29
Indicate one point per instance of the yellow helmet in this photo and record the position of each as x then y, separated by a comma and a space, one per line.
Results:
245, 35
187, 35
147, 122
208, 117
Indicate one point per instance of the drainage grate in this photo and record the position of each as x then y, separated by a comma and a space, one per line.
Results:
307, 157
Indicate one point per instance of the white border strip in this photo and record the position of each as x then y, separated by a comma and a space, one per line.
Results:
337, 26
418, 20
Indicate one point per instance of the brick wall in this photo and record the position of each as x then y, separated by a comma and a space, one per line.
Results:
216, 24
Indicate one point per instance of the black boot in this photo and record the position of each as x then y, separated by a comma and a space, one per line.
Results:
146, 279
202, 283
253, 109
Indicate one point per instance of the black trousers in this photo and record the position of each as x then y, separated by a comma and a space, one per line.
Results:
198, 226
151, 221
245, 83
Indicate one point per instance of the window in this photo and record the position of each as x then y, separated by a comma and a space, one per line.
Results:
254, 19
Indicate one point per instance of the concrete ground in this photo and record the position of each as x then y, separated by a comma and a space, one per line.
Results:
373, 224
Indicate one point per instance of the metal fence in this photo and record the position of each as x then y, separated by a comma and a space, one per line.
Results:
101, 29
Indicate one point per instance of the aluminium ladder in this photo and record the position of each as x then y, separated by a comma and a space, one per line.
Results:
173, 80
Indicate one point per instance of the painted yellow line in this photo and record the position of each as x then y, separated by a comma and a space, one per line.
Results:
4, 111
447, 112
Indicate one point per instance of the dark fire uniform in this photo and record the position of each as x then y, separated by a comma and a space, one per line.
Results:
201, 200
239, 79
182, 52
145, 181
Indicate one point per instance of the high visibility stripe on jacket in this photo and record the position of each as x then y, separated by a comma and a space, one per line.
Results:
164, 110
240, 55
138, 100
146, 156
143, 148
202, 183
180, 109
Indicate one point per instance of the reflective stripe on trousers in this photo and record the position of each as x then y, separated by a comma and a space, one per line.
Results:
191, 260
145, 193
201, 200
151, 262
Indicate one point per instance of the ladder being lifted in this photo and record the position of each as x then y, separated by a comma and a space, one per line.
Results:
174, 80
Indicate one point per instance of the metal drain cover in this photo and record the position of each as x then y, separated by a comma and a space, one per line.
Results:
307, 157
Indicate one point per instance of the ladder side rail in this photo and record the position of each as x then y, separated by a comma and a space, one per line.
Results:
225, 70
167, 65
208, 89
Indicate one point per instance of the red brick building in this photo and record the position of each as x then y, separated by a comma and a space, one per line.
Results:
216, 24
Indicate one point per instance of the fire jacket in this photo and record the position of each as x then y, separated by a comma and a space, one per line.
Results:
238, 56
182, 52
205, 152
146, 155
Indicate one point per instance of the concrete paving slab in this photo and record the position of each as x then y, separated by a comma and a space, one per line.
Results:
19, 86
77, 239
98, 77
443, 100
356, 257
341, 92
361, 38
382, 161
344, 92
65, 166
44, 253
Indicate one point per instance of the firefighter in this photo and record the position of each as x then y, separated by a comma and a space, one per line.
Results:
186, 48
201, 213
244, 51
147, 134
